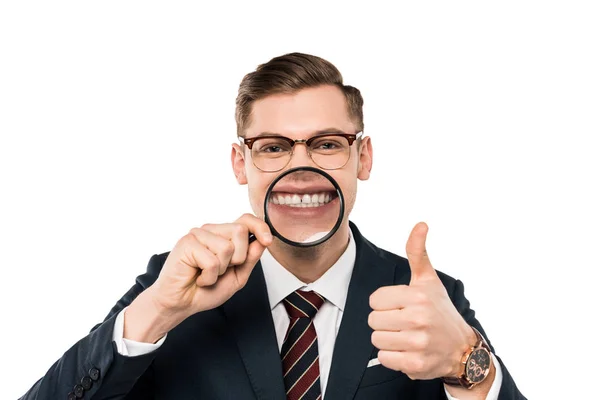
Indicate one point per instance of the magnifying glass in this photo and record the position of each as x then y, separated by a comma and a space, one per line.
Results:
303, 207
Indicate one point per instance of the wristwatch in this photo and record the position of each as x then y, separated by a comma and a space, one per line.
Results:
475, 364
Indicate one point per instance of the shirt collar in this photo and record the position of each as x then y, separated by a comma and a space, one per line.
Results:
333, 285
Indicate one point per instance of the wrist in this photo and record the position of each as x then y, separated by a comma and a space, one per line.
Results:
475, 365
146, 321
469, 341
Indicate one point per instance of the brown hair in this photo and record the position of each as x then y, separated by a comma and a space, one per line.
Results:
290, 73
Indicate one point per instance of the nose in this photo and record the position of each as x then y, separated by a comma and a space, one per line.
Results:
300, 157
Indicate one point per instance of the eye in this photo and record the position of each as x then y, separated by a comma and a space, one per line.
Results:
272, 146
327, 144
271, 149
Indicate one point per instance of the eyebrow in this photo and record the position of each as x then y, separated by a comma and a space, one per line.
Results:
315, 133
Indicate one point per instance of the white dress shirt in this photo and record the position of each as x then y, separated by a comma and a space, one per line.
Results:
333, 286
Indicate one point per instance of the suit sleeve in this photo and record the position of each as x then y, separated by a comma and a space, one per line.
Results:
93, 368
508, 390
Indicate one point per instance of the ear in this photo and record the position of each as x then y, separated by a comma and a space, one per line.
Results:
365, 159
238, 164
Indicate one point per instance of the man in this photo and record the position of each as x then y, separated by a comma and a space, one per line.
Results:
220, 317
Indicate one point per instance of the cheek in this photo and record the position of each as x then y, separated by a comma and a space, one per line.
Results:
347, 182
257, 189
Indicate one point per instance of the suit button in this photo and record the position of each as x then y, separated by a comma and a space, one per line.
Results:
87, 382
78, 390
71, 396
94, 374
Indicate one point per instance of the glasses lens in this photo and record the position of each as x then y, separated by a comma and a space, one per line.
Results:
271, 154
330, 152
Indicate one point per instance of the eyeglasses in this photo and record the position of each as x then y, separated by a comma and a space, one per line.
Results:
271, 153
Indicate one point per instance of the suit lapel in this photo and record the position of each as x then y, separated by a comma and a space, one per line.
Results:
353, 346
251, 321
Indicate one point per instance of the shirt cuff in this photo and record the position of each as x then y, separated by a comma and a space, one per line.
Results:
494, 392
131, 348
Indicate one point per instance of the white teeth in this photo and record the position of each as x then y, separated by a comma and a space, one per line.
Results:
302, 200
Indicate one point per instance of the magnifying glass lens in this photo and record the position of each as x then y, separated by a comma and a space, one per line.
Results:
304, 207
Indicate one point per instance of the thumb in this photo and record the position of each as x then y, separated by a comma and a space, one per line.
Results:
420, 266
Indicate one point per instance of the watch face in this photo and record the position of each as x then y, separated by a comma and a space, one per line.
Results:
478, 365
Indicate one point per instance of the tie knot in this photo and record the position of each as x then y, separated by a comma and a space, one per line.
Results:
301, 304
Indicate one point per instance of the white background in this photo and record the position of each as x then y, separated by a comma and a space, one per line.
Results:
116, 120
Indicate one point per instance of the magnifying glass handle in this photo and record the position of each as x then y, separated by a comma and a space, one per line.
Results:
251, 238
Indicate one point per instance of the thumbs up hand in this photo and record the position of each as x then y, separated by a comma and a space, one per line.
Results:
416, 327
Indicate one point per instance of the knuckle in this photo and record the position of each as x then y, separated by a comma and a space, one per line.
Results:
206, 227
421, 321
239, 230
375, 339
421, 297
388, 362
238, 259
188, 240
212, 264
420, 342
373, 300
418, 366
371, 319
228, 247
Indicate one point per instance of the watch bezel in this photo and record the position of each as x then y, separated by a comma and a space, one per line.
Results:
468, 371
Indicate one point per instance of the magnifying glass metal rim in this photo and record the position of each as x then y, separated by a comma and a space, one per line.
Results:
315, 242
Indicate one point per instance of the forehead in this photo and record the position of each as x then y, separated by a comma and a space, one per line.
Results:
300, 114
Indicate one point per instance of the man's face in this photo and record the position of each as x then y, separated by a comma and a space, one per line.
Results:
300, 116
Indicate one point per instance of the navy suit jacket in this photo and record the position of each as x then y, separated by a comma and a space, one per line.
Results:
231, 352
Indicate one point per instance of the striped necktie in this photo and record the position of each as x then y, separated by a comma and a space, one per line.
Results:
300, 353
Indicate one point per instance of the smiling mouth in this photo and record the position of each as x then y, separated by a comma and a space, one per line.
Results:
302, 200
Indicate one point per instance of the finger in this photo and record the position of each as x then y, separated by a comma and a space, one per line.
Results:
258, 227
392, 320
416, 251
237, 235
408, 340
243, 271
390, 298
222, 248
208, 263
